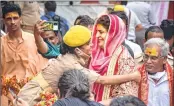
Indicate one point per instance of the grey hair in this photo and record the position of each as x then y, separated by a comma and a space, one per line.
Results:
161, 43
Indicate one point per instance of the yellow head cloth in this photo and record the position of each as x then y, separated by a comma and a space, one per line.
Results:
119, 8
151, 51
77, 36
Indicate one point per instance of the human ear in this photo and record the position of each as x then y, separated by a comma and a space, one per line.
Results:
165, 60
77, 51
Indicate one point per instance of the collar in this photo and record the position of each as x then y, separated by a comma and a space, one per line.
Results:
23, 37
51, 13
159, 77
77, 60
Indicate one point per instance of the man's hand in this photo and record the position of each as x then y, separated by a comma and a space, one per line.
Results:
38, 33
38, 28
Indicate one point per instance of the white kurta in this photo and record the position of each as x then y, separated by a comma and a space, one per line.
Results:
159, 93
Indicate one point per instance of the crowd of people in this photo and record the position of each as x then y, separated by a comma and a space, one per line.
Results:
121, 58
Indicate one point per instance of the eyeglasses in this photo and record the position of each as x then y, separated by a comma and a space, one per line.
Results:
152, 58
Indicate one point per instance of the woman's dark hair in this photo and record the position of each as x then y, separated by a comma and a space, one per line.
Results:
84, 20
50, 5
11, 8
156, 29
74, 83
168, 28
105, 21
66, 49
127, 101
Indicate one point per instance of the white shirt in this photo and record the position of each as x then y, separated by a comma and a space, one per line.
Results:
144, 12
158, 94
134, 21
135, 48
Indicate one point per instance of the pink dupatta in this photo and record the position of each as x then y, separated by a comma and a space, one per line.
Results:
100, 58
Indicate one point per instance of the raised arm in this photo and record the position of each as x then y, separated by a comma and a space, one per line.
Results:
38, 30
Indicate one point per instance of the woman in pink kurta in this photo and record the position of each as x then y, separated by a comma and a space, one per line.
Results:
110, 57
